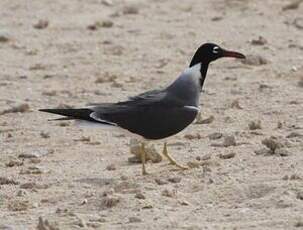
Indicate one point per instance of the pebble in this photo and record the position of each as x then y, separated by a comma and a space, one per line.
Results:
107, 2
36, 153
292, 5
300, 195
208, 120
262, 151
260, 41
294, 134
18, 205
21, 193
44, 134
236, 104
107, 24
300, 82
229, 141
174, 179
134, 219
45, 225
192, 136
160, 181
50, 93
130, 10
254, 60
110, 201
20, 108
151, 152
227, 155
6, 181
253, 125
140, 196
41, 24
169, 193
13, 163
283, 152
215, 136
32, 170
272, 143
111, 167
298, 23
4, 36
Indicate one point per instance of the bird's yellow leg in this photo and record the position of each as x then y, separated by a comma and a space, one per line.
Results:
143, 158
170, 159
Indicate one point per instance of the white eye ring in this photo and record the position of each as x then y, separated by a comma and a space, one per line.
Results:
216, 50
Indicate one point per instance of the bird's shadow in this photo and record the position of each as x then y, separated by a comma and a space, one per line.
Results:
100, 182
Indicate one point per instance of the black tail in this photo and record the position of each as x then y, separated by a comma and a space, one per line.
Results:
83, 114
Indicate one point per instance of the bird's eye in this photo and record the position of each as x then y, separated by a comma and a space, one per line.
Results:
216, 50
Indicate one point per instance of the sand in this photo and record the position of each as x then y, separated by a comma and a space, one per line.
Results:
74, 53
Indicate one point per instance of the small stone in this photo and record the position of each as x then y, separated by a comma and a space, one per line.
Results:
7, 181
134, 219
227, 155
36, 154
111, 167
169, 193
300, 195
110, 201
298, 23
140, 196
282, 152
229, 141
300, 82
236, 104
44, 134
295, 177
32, 170
4, 36
292, 5
192, 136
13, 163
18, 205
272, 143
29, 185
45, 225
130, 10
260, 41
107, 2
21, 193
253, 125
294, 134
208, 120
184, 202
193, 164
41, 24
160, 181
107, 77
215, 136
299, 224
50, 93
174, 179
262, 151
147, 206
254, 60
107, 24
150, 152
81, 223
84, 202
21, 108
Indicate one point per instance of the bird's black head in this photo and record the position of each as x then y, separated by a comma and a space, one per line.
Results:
209, 52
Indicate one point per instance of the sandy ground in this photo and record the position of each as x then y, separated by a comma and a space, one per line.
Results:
94, 51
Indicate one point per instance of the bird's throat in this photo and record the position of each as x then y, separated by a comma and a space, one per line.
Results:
203, 71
